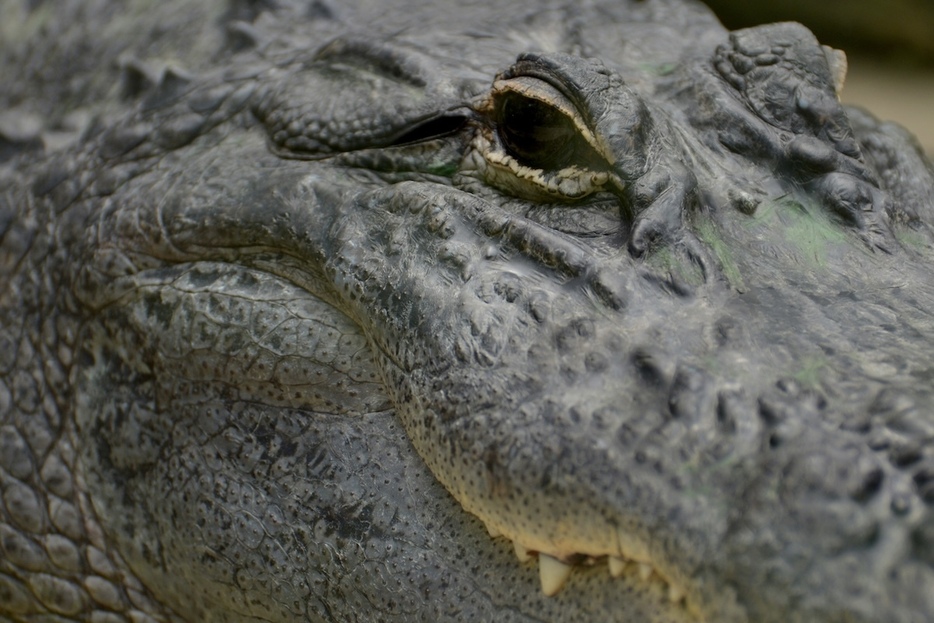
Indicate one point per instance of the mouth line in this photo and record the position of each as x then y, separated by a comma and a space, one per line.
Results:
630, 560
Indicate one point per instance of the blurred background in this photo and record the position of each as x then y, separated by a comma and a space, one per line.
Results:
889, 45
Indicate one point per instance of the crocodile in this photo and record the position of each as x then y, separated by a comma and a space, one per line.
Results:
530, 311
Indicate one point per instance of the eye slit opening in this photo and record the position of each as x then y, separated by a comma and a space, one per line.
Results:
534, 132
429, 129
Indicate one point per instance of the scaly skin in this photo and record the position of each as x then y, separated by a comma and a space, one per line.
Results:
330, 322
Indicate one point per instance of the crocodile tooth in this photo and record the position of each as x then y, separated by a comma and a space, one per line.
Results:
675, 593
521, 553
632, 548
645, 571
617, 565
494, 533
553, 574
837, 62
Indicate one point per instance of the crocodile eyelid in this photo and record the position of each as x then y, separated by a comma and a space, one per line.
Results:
433, 127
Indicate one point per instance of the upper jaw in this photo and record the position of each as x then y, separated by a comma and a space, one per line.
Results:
789, 519
655, 432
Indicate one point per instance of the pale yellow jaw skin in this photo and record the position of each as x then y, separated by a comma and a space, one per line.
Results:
554, 572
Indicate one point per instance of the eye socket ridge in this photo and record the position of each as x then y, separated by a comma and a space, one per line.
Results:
540, 128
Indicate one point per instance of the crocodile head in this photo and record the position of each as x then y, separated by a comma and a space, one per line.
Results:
645, 298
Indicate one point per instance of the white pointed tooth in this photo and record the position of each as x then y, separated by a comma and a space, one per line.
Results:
645, 571
521, 553
553, 574
632, 547
494, 533
617, 565
836, 61
675, 593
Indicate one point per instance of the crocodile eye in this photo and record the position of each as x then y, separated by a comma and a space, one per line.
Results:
535, 133
538, 143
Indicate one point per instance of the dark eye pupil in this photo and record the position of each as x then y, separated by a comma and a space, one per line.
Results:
534, 133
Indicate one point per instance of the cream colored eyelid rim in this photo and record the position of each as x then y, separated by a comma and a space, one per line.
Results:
540, 90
